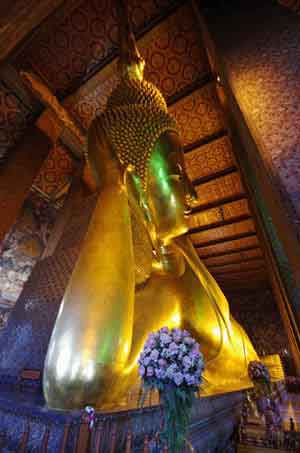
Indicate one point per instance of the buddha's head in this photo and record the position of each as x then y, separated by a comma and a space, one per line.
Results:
145, 141
169, 193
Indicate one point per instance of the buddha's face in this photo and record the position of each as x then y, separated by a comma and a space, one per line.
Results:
170, 194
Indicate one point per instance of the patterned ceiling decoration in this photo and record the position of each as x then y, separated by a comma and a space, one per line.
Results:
56, 172
220, 188
247, 266
68, 49
14, 118
234, 257
175, 57
229, 246
210, 158
199, 115
91, 99
223, 232
214, 215
175, 60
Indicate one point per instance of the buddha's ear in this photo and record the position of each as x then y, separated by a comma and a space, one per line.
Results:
134, 186
138, 202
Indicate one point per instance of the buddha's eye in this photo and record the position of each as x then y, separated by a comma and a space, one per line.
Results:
177, 178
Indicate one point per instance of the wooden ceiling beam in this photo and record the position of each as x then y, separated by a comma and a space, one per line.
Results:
230, 252
206, 140
218, 174
238, 287
239, 271
189, 89
19, 19
220, 224
233, 237
230, 263
218, 203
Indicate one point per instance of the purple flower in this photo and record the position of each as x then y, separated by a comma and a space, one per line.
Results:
173, 346
185, 333
187, 363
164, 330
160, 373
146, 361
199, 371
171, 355
177, 335
150, 371
189, 340
165, 339
183, 348
189, 379
142, 370
151, 343
162, 363
154, 355
165, 353
171, 370
178, 378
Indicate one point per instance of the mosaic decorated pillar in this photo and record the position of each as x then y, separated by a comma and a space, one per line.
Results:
257, 69
18, 173
24, 339
259, 63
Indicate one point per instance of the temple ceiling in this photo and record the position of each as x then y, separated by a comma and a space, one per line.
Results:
74, 52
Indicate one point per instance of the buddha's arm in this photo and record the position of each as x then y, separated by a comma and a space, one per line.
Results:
92, 335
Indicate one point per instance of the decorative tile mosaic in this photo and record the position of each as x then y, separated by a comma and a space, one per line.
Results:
223, 232
225, 212
175, 59
198, 115
24, 245
209, 159
174, 54
262, 61
257, 312
55, 173
14, 118
219, 260
68, 47
228, 246
220, 188
25, 337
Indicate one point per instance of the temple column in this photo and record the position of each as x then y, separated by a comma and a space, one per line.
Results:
18, 173
249, 90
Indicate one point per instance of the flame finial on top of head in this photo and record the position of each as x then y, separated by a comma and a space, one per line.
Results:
131, 64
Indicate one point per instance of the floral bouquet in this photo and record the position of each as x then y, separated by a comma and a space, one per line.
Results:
172, 363
89, 416
258, 372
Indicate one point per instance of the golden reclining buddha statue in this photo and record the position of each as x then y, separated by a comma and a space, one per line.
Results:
137, 270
